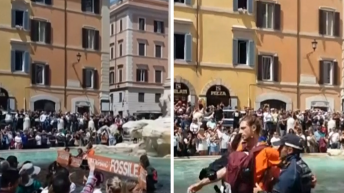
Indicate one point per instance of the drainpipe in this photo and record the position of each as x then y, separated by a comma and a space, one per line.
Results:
65, 53
249, 94
197, 35
298, 54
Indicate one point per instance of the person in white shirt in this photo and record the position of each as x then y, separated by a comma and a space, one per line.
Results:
194, 127
42, 117
18, 141
290, 122
8, 118
268, 121
331, 124
334, 138
90, 125
224, 137
26, 123
275, 138
60, 123
38, 139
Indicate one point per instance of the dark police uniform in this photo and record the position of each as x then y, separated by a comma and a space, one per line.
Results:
295, 176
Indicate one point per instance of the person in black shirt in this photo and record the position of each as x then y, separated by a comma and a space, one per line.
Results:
152, 174
218, 113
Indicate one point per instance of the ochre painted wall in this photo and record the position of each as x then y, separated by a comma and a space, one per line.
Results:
216, 20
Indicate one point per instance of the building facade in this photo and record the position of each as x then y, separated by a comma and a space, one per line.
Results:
299, 60
138, 55
55, 55
214, 51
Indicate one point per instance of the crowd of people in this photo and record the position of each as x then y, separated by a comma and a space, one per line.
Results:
40, 129
18, 177
199, 130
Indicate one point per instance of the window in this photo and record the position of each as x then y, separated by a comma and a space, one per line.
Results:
40, 31
112, 29
158, 76
179, 1
142, 24
159, 27
40, 73
267, 62
268, 68
91, 6
141, 97
157, 97
268, 18
89, 77
328, 72
46, 2
19, 18
120, 97
112, 78
179, 46
90, 39
141, 75
242, 4
268, 15
19, 61
329, 22
158, 51
120, 49
111, 53
120, 25
242, 52
142, 49
120, 78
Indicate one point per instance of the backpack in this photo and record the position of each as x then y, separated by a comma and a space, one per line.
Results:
240, 170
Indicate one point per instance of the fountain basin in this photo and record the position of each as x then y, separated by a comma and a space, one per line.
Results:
328, 171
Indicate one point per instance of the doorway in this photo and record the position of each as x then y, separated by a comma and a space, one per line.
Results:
218, 94
276, 104
44, 105
83, 109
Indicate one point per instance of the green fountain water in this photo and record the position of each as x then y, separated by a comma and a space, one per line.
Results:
43, 158
327, 169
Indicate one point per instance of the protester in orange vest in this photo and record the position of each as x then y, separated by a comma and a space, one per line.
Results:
266, 161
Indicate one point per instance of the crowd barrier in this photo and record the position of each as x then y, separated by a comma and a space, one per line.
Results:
115, 166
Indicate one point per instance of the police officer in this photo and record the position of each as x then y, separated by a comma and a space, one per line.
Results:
295, 174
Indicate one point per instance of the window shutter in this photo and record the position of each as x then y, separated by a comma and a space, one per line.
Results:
48, 33
95, 79
277, 15
33, 73
96, 40
34, 30
162, 27
84, 78
26, 62
96, 6
259, 14
336, 30
138, 75
321, 72
252, 54
83, 5
250, 6
235, 5
46, 75
188, 46
146, 76
155, 26
84, 38
335, 72
13, 18
26, 20
235, 52
260, 68
275, 69
13, 60
188, 2
48, 2
321, 22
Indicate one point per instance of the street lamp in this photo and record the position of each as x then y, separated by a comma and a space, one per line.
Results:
314, 44
78, 56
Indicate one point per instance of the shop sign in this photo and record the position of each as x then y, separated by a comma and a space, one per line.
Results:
218, 92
